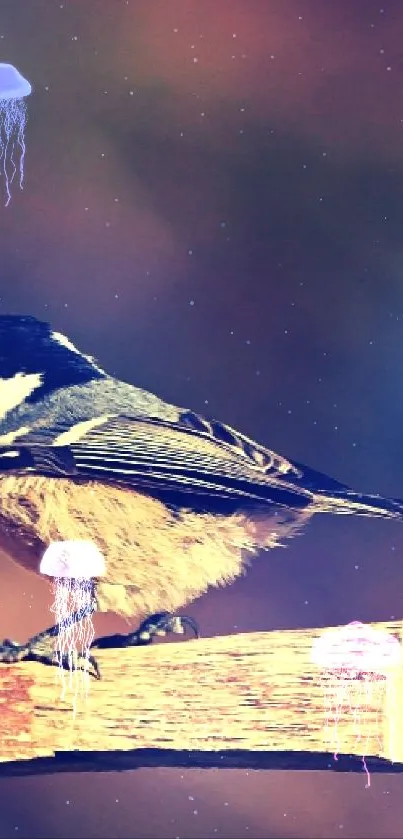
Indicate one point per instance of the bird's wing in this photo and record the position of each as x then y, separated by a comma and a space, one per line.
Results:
192, 455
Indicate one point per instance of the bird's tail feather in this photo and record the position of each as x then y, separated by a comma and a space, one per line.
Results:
347, 502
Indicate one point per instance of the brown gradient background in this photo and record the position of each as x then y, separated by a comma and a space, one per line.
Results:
213, 207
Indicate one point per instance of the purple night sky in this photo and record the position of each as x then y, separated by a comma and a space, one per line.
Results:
213, 207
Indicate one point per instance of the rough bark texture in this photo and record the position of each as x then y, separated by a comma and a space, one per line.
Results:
248, 700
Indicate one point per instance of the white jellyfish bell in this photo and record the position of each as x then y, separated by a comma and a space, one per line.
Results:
75, 559
13, 117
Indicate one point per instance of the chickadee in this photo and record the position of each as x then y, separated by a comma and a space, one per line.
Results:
174, 501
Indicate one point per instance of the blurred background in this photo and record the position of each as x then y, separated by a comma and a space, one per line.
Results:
213, 207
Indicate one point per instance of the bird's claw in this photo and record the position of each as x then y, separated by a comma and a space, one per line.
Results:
157, 625
11, 652
37, 650
163, 623
87, 663
40, 648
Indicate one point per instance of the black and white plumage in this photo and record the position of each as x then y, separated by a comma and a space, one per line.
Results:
174, 501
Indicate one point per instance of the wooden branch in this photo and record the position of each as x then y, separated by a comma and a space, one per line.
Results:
248, 700
118, 761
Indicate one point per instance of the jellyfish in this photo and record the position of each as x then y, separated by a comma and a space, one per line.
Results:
73, 565
13, 116
357, 664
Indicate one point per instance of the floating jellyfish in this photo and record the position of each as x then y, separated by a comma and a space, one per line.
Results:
13, 116
357, 664
73, 565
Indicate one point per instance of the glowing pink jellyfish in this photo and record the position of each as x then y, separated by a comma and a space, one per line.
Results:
73, 566
357, 664
13, 116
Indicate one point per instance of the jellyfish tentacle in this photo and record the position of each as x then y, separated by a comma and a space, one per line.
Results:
13, 117
38, 647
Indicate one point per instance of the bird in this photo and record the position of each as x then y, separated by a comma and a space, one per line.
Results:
176, 502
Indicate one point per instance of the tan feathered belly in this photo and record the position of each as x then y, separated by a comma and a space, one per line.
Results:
156, 559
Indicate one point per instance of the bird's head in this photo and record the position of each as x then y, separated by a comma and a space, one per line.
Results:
35, 360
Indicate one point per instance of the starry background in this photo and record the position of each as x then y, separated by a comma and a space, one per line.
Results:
213, 207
